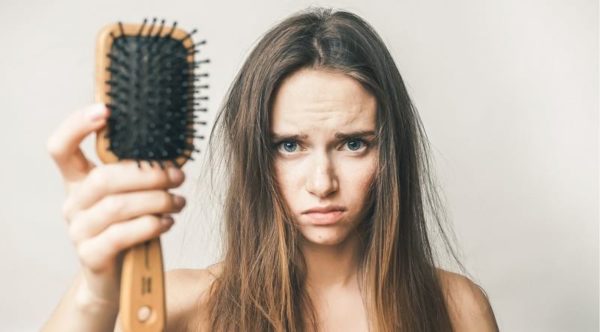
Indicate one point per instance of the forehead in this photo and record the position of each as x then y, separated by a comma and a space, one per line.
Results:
310, 99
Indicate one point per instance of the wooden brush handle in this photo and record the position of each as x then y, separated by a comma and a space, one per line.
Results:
142, 298
142, 302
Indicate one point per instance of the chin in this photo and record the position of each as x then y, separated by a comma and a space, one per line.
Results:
323, 236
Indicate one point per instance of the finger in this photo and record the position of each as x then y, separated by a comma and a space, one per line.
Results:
89, 223
99, 253
63, 143
117, 178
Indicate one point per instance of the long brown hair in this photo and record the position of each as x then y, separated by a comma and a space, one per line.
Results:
261, 286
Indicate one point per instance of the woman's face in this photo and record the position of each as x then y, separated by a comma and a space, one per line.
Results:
323, 133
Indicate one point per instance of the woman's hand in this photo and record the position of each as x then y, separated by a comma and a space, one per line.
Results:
108, 208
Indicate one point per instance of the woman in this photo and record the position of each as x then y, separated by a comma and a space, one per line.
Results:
325, 213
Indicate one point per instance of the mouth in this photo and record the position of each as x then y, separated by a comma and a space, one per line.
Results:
324, 215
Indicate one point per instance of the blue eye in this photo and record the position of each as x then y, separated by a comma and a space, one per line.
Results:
289, 146
355, 144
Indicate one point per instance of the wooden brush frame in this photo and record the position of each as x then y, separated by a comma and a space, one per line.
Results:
103, 47
142, 276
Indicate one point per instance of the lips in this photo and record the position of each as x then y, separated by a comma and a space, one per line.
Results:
326, 215
325, 209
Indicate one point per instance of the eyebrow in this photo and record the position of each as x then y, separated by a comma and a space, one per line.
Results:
338, 135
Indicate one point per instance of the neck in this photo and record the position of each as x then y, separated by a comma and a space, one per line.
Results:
332, 266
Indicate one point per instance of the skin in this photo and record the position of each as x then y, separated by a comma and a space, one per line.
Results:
110, 208
317, 167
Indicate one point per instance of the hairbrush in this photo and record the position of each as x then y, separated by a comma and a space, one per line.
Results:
148, 77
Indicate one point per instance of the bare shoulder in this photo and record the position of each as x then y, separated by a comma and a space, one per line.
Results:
468, 304
187, 292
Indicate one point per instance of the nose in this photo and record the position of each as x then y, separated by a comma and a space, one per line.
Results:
322, 180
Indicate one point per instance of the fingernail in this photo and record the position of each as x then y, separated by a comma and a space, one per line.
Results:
175, 174
167, 221
179, 201
96, 112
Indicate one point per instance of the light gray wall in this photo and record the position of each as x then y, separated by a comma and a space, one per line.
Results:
508, 92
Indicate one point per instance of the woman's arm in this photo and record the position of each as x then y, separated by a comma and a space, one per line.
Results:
185, 294
78, 310
108, 209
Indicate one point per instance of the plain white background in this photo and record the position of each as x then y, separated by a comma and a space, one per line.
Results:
507, 90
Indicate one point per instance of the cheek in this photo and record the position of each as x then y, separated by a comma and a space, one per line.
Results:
287, 178
356, 181
358, 174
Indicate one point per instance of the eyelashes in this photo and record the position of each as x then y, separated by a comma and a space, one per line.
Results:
287, 146
290, 146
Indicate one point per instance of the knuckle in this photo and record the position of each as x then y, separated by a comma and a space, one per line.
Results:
90, 257
85, 254
54, 148
97, 179
82, 250
115, 241
66, 210
78, 228
75, 233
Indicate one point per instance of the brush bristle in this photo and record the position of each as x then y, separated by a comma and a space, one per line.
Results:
153, 96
